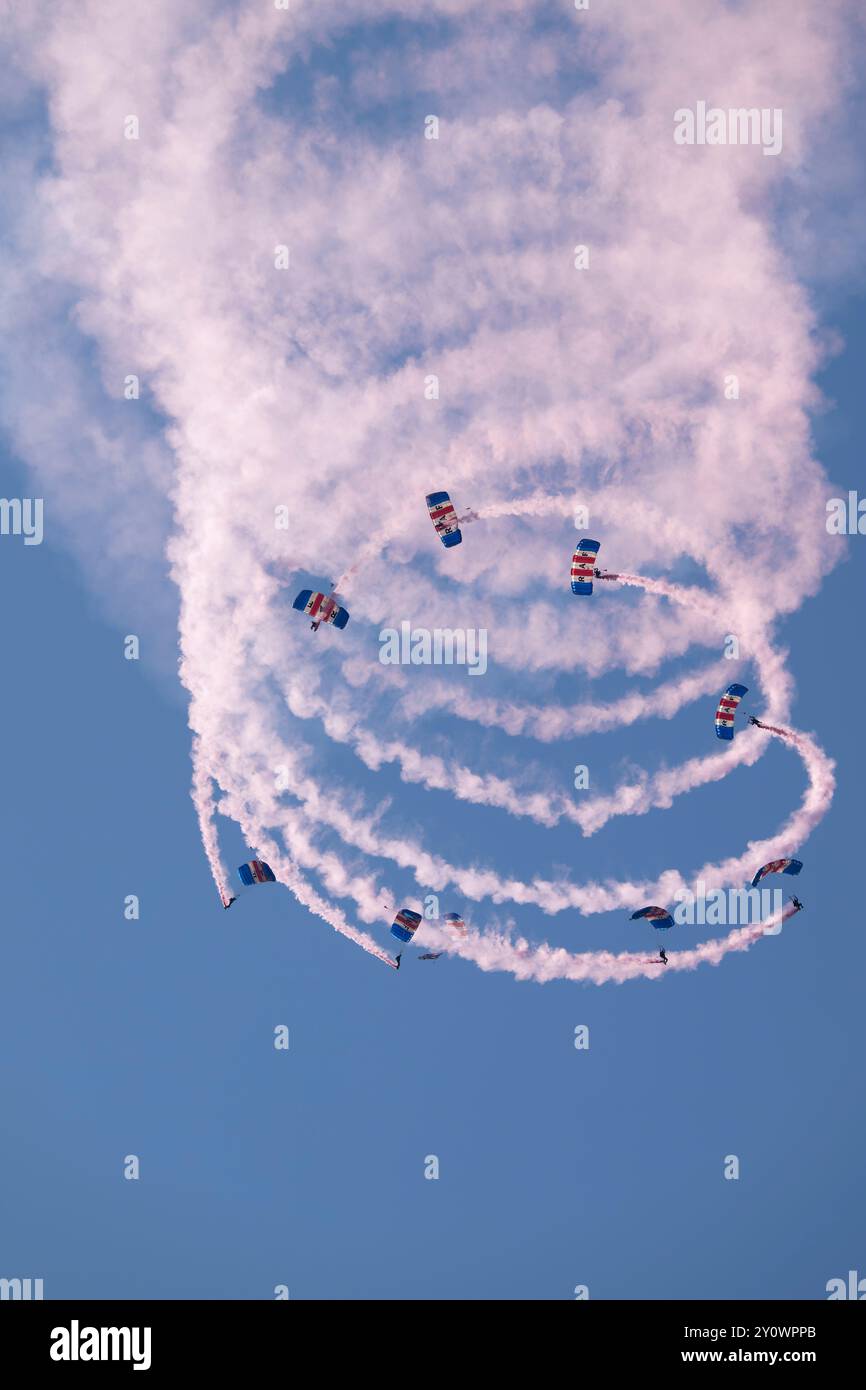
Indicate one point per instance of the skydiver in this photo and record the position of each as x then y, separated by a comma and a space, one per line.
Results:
431, 955
663, 956
229, 903
314, 627
398, 959
753, 720
797, 904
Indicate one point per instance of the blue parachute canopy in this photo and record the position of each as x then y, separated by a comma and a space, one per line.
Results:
405, 924
659, 916
583, 566
455, 923
727, 709
321, 608
257, 871
444, 518
777, 866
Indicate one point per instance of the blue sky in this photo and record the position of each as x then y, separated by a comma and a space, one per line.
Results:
305, 1168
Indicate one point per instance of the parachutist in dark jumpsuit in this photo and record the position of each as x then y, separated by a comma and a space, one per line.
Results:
398, 959
663, 956
229, 903
797, 904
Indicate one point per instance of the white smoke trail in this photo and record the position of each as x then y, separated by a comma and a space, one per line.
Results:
496, 951
305, 391
551, 896
202, 796
284, 866
499, 951
548, 723
546, 808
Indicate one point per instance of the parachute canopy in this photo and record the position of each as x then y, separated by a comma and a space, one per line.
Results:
583, 566
777, 866
321, 608
659, 916
727, 709
405, 924
257, 871
455, 923
444, 518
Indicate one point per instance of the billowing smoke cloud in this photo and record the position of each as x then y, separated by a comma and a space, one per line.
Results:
332, 314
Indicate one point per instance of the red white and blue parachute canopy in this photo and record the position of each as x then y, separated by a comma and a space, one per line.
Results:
257, 871
444, 518
405, 924
659, 916
583, 566
321, 608
777, 866
455, 923
727, 709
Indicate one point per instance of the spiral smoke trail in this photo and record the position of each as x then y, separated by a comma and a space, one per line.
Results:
495, 950
335, 303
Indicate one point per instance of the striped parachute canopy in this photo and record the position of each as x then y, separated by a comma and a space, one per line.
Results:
777, 866
444, 518
583, 566
257, 871
659, 916
455, 923
405, 924
727, 709
321, 608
